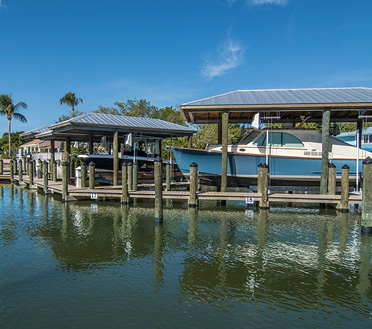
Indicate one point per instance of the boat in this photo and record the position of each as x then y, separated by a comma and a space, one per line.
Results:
351, 138
293, 155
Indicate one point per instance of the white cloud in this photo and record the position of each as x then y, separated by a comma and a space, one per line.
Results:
1, 5
267, 2
230, 55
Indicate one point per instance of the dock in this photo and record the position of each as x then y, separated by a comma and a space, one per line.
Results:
146, 191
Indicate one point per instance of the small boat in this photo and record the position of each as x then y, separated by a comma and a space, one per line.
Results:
292, 155
351, 138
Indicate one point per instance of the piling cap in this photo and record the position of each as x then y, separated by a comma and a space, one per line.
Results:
345, 166
65, 163
82, 163
46, 162
129, 164
135, 163
265, 165
124, 164
91, 163
260, 165
368, 161
194, 164
158, 159
331, 165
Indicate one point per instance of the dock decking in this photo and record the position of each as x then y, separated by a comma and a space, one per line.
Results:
114, 193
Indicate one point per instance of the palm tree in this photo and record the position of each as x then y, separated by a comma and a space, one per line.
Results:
8, 108
71, 100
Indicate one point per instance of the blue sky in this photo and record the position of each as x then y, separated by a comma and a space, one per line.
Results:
175, 51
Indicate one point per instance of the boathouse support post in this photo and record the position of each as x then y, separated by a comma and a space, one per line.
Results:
325, 150
168, 176
1, 166
124, 184
11, 168
20, 170
224, 135
264, 202
116, 159
72, 168
90, 145
91, 175
52, 151
130, 176
193, 185
67, 157
331, 179
83, 169
135, 176
189, 142
45, 176
54, 171
33, 167
367, 197
158, 190
344, 206
65, 170
39, 169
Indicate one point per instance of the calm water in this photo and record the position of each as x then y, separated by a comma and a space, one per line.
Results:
102, 265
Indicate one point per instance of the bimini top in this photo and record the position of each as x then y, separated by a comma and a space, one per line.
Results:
345, 103
98, 124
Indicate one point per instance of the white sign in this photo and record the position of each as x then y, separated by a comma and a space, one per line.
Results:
249, 213
249, 200
93, 196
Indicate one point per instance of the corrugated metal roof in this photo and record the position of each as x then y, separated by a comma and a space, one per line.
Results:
36, 131
123, 122
288, 97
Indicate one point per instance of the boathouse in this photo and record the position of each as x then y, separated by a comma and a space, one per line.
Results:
94, 127
286, 106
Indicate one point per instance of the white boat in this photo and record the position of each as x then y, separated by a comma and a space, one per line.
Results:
293, 155
351, 138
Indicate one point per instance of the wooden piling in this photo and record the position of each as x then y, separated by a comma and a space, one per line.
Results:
31, 172
83, 170
344, 206
124, 184
15, 166
1, 166
72, 168
130, 176
135, 176
91, 175
224, 134
325, 150
168, 176
45, 176
11, 168
39, 168
366, 222
65, 168
331, 179
54, 171
259, 178
193, 185
116, 159
20, 170
264, 202
158, 190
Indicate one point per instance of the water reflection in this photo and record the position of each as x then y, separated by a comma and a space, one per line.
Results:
287, 262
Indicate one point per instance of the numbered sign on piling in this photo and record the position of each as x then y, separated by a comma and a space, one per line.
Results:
249, 200
93, 196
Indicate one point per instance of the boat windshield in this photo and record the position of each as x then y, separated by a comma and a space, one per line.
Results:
278, 139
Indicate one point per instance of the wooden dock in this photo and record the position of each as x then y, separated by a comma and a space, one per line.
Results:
145, 191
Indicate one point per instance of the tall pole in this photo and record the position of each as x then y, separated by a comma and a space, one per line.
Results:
325, 150
225, 123
116, 158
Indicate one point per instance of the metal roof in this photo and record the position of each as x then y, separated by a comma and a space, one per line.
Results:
282, 105
99, 124
288, 96
32, 133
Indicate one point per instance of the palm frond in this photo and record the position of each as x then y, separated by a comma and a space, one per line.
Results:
19, 117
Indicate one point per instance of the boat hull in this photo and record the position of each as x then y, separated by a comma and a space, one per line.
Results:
242, 168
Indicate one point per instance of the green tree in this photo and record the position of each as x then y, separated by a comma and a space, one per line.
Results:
8, 108
68, 116
71, 100
16, 141
170, 114
132, 107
